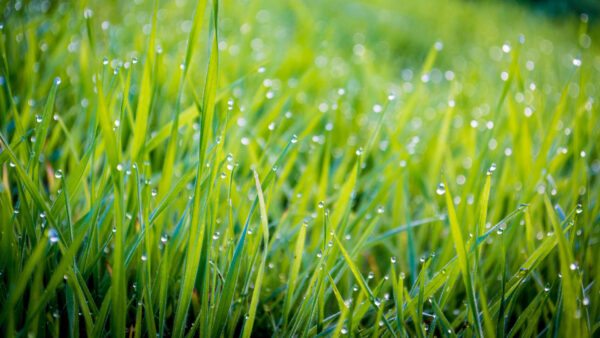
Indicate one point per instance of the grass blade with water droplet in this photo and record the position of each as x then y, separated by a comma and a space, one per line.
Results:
463, 261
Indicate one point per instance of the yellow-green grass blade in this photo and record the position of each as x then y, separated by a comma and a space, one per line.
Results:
361, 281
248, 324
226, 297
171, 151
118, 316
293, 274
462, 257
194, 249
568, 265
42, 131
398, 293
145, 96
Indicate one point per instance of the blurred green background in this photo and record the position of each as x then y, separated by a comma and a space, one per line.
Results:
381, 44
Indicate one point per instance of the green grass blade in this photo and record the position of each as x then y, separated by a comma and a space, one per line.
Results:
463, 261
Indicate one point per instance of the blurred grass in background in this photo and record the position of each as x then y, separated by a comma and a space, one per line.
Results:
349, 112
565, 7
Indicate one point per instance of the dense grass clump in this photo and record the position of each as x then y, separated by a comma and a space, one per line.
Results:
358, 168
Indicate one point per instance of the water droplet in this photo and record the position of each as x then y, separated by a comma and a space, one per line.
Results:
42, 215
294, 138
223, 175
12, 164
573, 266
393, 260
441, 189
134, 60
144, 257
380, 209
57, 80
579, 209
38, 118
56, 314
58, 174
154, 192
576, 62
321, 205
229, 157
163, 238
359, 151
262, 69
272, 126
547, 288
114, 229
344, 330
105, 61
391, 96
87, 13
586, 301
53, 235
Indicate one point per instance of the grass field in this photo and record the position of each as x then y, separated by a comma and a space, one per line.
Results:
298, 168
